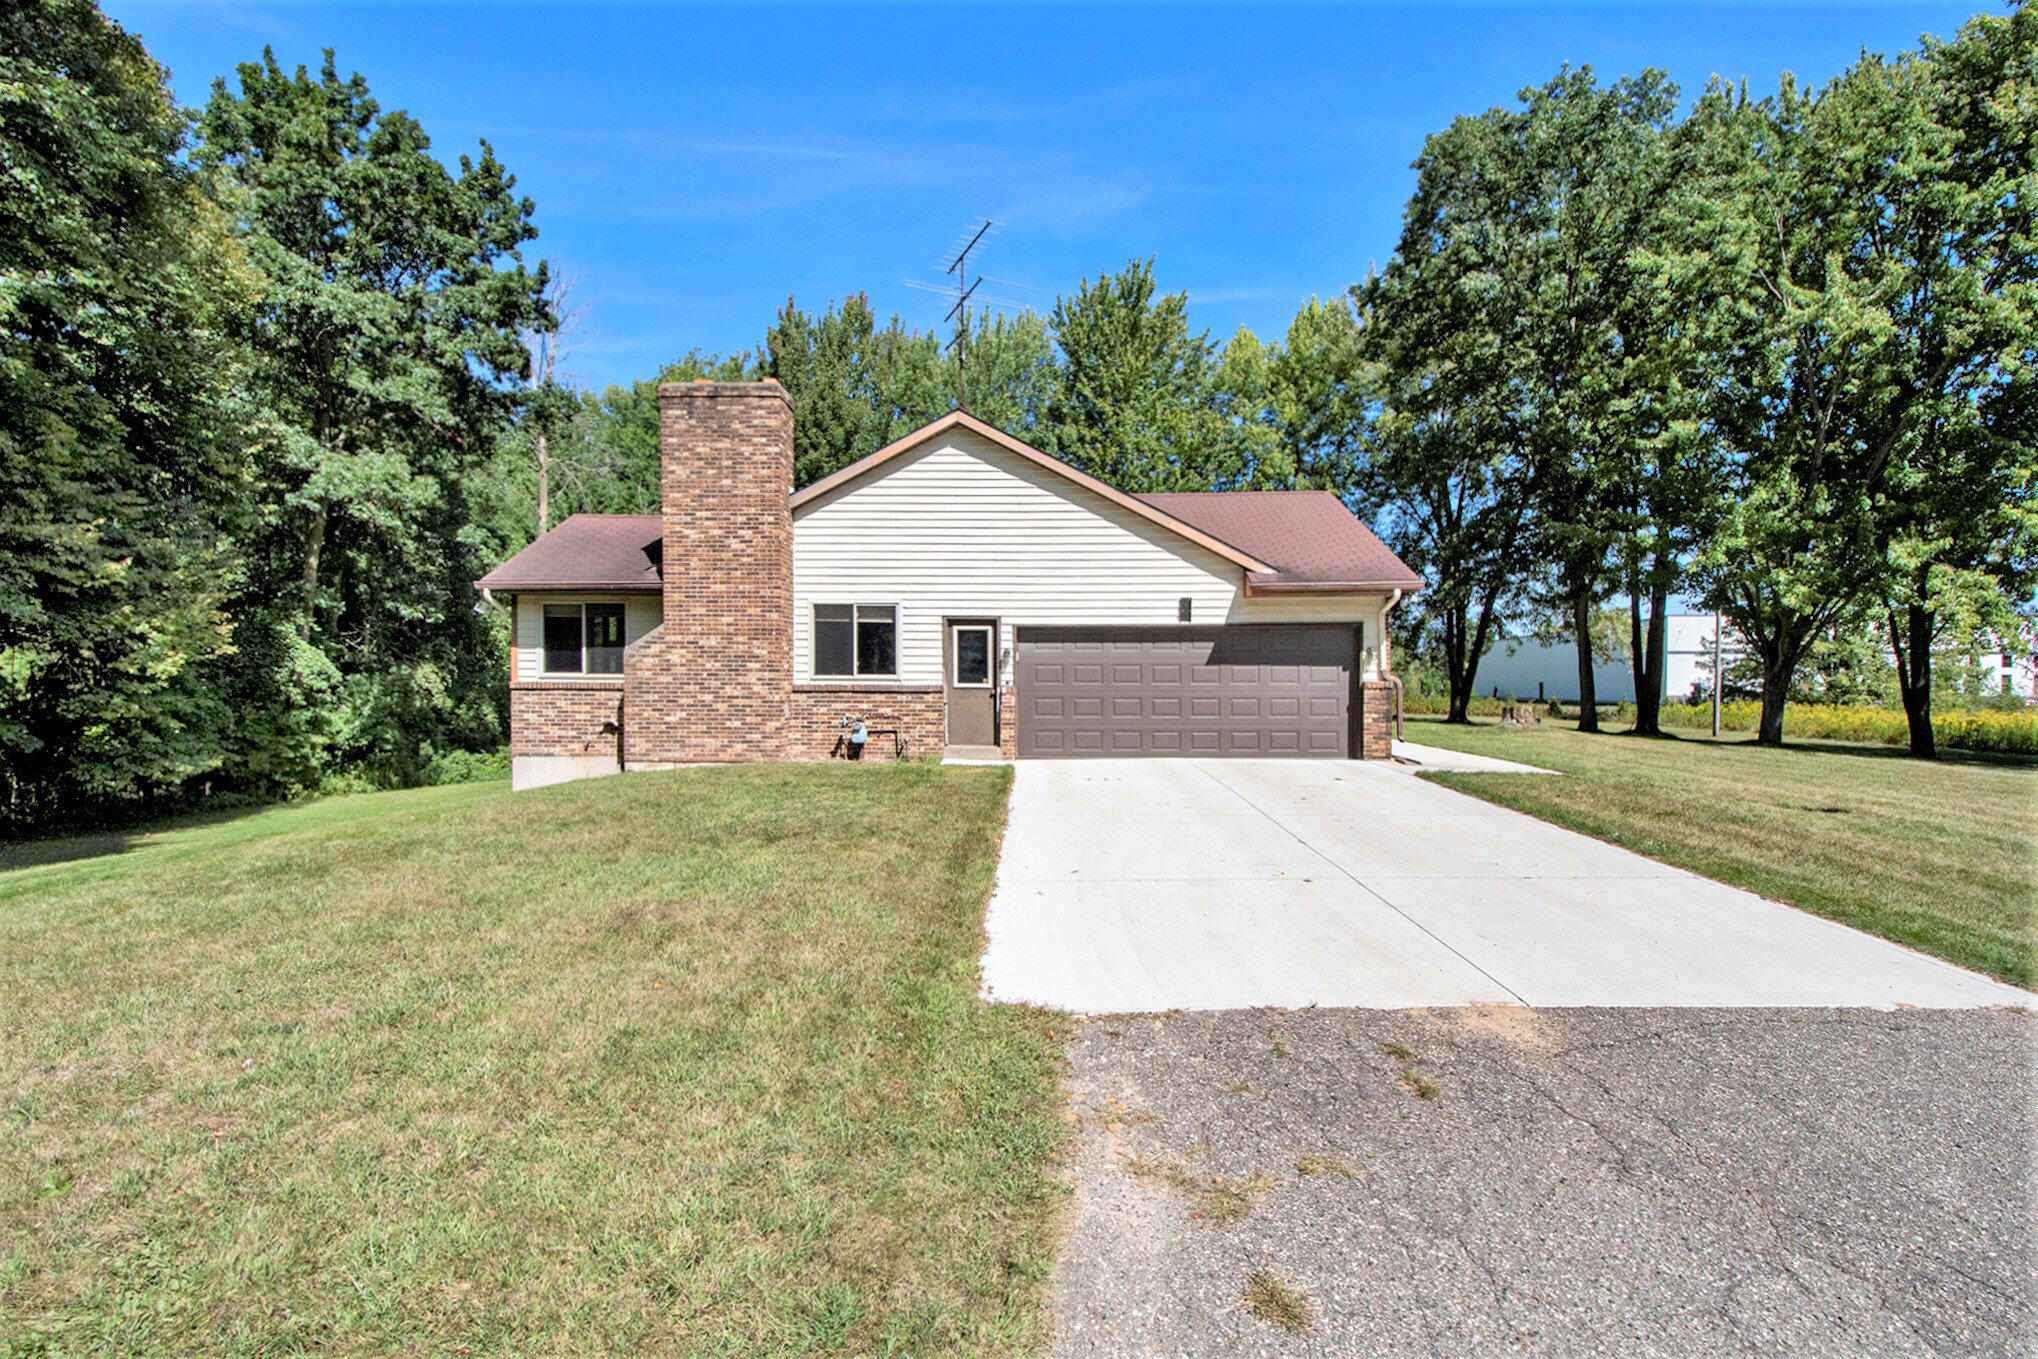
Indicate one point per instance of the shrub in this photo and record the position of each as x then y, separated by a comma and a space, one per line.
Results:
466, 766
1985, 729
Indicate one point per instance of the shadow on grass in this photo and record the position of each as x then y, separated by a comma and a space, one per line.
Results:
98, 844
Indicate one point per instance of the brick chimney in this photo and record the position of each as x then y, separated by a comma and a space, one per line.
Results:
715, 682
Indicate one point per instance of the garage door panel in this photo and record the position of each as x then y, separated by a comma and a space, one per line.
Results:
1240, 690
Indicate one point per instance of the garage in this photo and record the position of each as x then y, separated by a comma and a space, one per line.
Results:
1240, 690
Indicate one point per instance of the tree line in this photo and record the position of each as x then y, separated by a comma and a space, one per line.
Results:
277, 383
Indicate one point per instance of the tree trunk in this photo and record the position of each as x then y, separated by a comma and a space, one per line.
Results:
1775, 689
1457, 676
1912, 642
314, 545
543, 446
1648, 663
1588, 691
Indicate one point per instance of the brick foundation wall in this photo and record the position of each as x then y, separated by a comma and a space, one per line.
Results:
1376, 720
715, 683
563, 719
815, 731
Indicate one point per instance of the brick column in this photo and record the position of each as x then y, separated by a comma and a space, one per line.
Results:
1376, 720
715, 683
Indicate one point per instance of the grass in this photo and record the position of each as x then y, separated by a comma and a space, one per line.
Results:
1215, 1198
1310, 1167
684, 1063
1271, 1300
1942, 856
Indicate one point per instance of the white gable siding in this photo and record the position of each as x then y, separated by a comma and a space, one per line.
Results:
965, 529
640, 614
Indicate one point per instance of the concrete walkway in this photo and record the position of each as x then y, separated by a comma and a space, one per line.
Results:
1460, 761
1149, 885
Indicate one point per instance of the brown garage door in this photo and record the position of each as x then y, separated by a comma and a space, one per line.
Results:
1241, 690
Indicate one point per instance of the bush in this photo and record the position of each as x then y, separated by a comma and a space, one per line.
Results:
466, 766
1987, 729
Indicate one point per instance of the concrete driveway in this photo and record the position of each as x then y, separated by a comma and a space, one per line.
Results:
1151, 885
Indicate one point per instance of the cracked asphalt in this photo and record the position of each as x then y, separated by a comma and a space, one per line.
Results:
1583, 1182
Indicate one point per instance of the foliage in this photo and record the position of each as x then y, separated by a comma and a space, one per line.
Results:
120, 475
855, 386
1858, 265
385, 346
2012, 731
1144, 404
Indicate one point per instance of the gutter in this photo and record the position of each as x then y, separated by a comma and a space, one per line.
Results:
1257, 586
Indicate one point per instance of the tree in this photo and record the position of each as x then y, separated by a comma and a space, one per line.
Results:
385, 363
549, 404
1944, 177
120, 478
1137, 405
1012, 375
1522, 246
1318, 393
855, 386
1461, 429
1857, 268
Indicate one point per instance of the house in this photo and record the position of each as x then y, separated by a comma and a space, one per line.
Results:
957, 590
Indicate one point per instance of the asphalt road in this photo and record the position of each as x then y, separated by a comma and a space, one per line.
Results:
1625, 1182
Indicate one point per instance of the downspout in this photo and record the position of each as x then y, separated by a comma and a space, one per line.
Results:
1387, 669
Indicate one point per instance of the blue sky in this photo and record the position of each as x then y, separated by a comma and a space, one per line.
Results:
694, 167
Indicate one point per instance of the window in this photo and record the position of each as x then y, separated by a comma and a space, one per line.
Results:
583, 639
856, 639
972, 658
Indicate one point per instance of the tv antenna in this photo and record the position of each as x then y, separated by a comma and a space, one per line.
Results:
958, 268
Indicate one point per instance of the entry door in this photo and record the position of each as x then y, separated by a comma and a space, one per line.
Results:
972, 683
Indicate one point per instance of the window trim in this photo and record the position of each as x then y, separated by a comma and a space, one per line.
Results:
545, 669
955, 632
855, 672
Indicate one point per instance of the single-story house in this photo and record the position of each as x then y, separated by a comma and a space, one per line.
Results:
957, 590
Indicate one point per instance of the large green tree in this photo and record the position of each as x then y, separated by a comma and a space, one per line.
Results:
386, 352
1857, 270
1944, 175
855, 385
120, 478
1521, 254
1141, 402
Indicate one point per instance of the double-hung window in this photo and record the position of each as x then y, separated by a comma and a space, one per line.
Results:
856, 641
583, 639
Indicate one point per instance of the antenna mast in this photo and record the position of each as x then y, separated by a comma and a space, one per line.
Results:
959, 313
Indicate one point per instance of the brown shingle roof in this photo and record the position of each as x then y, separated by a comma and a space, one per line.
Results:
1309, 535
1311, 539
586, 552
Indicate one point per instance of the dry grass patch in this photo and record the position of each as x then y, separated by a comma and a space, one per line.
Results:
1271, 1300
1311, 1167
674, 1064
1419, 1085
1217, 1198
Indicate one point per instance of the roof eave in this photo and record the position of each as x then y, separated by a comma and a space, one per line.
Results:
532, 586
1328, 587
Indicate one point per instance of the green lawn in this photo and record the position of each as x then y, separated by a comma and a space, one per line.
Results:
1941, 856
683, 1063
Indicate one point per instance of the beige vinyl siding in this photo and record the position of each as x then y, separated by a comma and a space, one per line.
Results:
640, 614
965, 529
